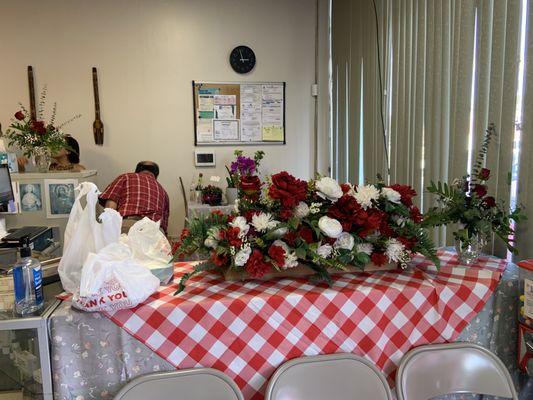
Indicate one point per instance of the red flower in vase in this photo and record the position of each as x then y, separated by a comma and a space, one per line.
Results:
484, 174
256, 265
479, 190
38, 126
19, 115
287, 189
250, 185
489, 201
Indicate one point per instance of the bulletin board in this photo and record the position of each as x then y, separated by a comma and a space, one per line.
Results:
243, 113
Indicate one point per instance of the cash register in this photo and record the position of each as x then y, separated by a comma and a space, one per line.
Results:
41, 238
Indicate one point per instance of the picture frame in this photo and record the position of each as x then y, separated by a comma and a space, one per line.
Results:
60, 196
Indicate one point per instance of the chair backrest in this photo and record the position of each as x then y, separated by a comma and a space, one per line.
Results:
187, 384
184, 194
333, 376
434, 370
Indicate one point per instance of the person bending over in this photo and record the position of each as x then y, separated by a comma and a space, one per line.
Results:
138, 195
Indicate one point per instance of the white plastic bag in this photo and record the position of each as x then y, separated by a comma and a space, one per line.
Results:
150, 248
84, 234
113, 280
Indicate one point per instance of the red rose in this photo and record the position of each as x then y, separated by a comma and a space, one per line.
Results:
19, 115
256, 265
277, 254
231, 235
306, 234
415, 214
287, 189
379, 259
484, 174
38, 126
479, 190
407, 193
250, 185
220, 260
489, 201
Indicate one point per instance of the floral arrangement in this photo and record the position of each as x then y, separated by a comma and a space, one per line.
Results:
467, 202
211, 195
243, 167
30, 135
327, 226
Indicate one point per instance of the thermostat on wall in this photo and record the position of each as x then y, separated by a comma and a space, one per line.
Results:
204, 158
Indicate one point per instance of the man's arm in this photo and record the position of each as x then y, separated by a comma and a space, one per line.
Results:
111, 196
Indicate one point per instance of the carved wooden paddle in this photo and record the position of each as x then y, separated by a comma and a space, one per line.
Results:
98, 125
33, 109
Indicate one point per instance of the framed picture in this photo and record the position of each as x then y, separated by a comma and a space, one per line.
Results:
14, 205
60, 196
31, 198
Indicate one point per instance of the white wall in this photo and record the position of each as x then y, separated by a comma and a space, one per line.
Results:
147, 53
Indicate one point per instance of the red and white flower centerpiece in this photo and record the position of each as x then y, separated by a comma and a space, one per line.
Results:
291, 227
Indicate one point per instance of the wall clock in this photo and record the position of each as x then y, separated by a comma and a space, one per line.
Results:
242, 59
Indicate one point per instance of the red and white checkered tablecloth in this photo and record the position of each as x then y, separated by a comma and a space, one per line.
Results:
248, 329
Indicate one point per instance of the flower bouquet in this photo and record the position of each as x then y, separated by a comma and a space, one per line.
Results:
212, 195
287, 222
241, 170
36, 136
466, 202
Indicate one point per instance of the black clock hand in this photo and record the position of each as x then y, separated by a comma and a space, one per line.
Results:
240, 52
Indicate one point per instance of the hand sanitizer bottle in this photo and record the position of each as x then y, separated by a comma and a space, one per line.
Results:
28, 279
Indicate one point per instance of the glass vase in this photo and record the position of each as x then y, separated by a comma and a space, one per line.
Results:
43, 158
468, 251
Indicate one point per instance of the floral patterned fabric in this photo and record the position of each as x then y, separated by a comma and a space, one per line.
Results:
92, 358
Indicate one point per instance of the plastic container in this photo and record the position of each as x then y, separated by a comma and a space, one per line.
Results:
525, 310
27, 280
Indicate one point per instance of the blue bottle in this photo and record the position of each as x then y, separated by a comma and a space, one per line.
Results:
28, 279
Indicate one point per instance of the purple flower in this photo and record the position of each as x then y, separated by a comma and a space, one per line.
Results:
243, 165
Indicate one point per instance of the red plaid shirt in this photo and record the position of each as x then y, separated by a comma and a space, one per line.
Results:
139, 195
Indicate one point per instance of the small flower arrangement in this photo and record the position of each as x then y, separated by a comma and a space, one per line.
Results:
243, 167
211, 195
327, 226
467, 202
35, 135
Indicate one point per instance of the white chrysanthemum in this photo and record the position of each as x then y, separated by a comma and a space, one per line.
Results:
242, 256
240, 222
324, 251
330, 227
365, 194
344, 241
301, 210
394, 250
366, 248
392, 195
328, 188
263, 222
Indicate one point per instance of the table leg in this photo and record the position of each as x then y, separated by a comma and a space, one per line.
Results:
44, 355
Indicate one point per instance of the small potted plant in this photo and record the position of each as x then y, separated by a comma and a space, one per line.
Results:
242, 175
212, 195
477, 215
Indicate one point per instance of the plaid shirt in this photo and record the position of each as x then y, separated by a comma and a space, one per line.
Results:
139, 195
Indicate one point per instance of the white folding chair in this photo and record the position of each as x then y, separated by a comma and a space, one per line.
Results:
333, 376
435, 370
186, 384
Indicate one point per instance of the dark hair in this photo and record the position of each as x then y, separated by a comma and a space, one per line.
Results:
147, 166
73, 149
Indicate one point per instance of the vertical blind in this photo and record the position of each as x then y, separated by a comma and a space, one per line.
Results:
449, 68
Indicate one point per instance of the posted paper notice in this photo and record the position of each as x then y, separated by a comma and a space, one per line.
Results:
224, 131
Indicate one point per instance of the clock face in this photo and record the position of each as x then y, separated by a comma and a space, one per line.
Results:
242, 59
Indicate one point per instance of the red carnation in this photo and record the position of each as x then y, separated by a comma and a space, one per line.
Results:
287, 189
407, 193
256, 266
484, 174
369, 221
379, 259
277, 254
19, 115
479, 190
220, 260
286, 213
408, 243
250, 185
489, 201
290, 238
415, 214
231, 235
306, 234
345, 210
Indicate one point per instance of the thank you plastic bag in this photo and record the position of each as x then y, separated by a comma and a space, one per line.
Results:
84, 234
113, 280
150, 248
